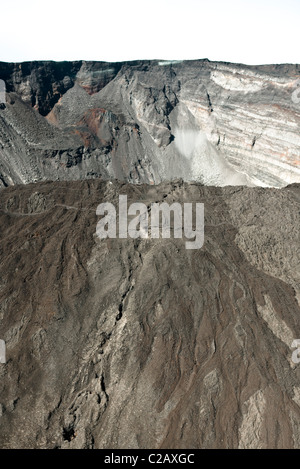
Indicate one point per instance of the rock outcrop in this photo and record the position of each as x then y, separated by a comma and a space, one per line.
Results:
150, 121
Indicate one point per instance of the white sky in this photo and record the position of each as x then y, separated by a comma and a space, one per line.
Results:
246, 31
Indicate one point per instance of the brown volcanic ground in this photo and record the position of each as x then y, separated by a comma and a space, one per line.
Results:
142, 343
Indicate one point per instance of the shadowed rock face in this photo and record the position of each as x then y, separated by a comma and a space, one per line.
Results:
124, 343
150, 121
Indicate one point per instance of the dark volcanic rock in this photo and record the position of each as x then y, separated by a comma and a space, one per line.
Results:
42, 84
124, 343
149, 121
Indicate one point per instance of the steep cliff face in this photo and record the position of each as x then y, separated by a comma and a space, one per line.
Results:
150, 121
140, 343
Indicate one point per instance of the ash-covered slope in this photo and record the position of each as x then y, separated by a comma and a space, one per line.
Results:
124, 343
149, 121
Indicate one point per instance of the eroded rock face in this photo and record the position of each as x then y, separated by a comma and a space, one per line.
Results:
124, 343
150, 121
